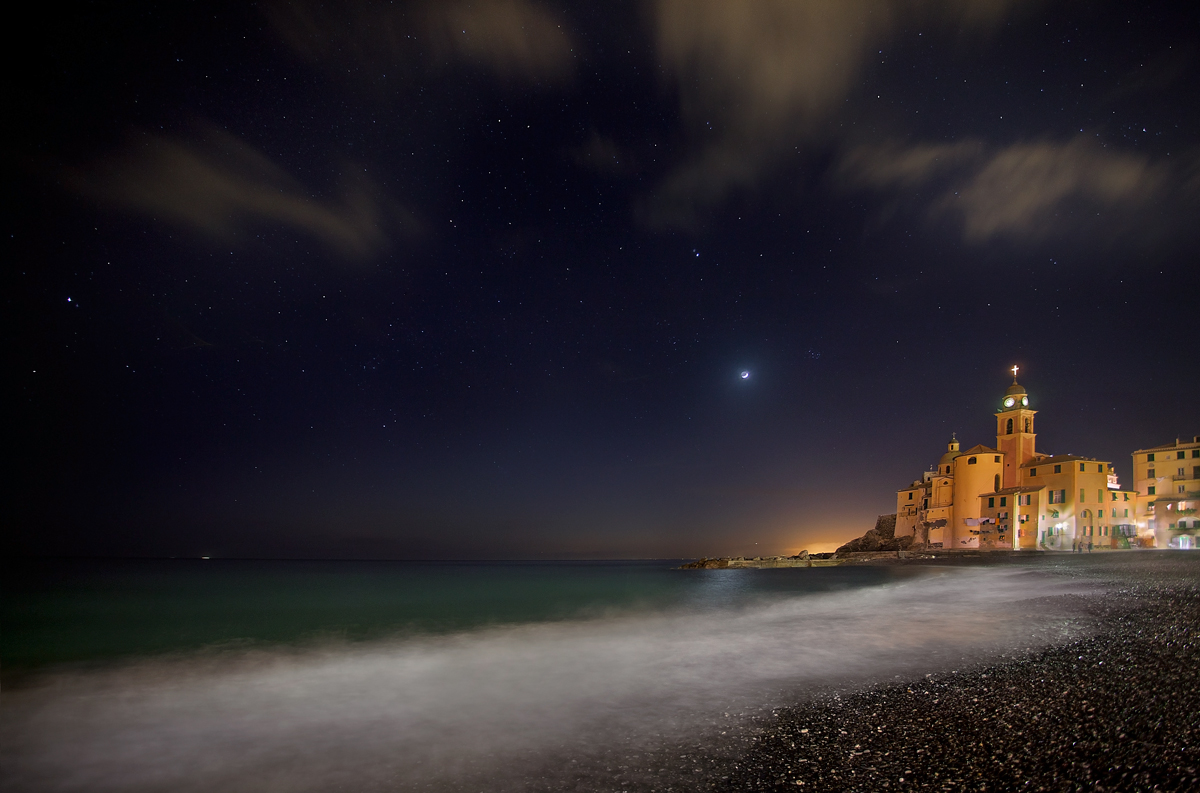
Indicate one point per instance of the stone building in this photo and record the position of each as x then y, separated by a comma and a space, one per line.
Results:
1167, 480
1012, 497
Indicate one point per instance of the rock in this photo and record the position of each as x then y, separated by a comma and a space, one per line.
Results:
881, 538
706, 564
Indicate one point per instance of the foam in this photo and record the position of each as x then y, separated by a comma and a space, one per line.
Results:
447, 712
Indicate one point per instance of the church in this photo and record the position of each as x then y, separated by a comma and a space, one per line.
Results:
1011, 497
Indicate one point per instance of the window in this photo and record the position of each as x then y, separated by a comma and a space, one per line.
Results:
925, 504
1179, 472
1004, 501
1149, 458
1009, 428
1082, 495
1028, 499
992, 501
1027, 429
910, 496
1196, 472
972, 461
996, 459
1126, 513
1150, 490
1182, 489
1082, 467
1033, 472
1126, 496
1150, 473
1058, 497
1114, 495
1195, 452
1100, 496
996, 482
1179, 455
1058, 469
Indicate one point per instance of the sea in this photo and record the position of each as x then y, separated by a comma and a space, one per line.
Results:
197, 675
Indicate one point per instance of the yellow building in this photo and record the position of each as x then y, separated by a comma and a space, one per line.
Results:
1167, 481
1012, 497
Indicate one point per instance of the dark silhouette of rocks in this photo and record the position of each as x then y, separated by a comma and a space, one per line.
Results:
881, 538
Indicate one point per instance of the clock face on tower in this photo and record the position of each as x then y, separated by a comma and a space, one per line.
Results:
1024, 401
1009, 402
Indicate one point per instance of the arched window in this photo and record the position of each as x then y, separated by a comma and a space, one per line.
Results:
996, 483
1009, 431
1027, 426
972, 461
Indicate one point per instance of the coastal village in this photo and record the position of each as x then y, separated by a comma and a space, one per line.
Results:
1011, 497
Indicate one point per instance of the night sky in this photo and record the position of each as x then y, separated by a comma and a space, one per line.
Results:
481, 279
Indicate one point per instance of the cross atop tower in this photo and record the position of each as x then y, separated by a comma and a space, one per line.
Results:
1014, 371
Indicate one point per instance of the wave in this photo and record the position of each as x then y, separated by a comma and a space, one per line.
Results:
506, 703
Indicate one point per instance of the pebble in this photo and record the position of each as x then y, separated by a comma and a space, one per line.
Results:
1117, 711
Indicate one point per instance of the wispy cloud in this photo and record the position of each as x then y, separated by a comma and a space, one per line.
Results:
1022, 190
756, 78
515, 39
221, 186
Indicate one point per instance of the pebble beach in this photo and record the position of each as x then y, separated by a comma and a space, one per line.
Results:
1119, 710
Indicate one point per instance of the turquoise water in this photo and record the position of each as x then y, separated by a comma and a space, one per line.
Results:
89, 610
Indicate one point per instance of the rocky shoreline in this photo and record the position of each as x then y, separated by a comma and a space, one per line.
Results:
1116, 711
879, 542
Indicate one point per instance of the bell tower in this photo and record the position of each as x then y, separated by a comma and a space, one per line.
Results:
1014, 431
